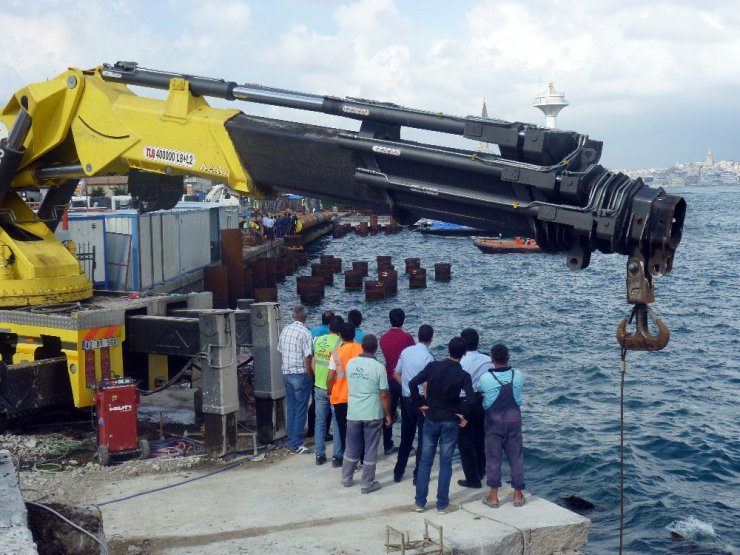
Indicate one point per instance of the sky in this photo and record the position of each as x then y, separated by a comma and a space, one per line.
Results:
657, 81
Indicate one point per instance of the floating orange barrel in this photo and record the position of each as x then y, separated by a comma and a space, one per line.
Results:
362, 229
326, 259
353, 280
412, 264
442, 271
390, 281
360, 266
337, 265
418, 278
266, 295
374, 291
385, 263
313, 219
373, 220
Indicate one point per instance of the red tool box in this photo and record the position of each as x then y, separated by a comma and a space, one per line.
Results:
116, 404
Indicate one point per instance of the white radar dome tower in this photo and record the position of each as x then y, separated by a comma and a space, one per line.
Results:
550, 103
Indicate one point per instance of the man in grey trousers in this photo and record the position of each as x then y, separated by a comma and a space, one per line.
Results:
368, 402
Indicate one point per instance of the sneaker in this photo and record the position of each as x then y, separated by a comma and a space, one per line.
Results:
390, 451
347, 483
397, 477
417, 509
336, 462
320, 459
302, 450
466, 484
448, 509
375, 486
329, 437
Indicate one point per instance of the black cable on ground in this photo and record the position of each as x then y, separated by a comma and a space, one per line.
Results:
72, 524
176, 377
155, 490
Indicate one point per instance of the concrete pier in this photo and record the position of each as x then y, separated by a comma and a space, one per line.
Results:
287, 504
15, 537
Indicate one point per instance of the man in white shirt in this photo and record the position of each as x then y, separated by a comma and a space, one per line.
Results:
412, 361
296, 349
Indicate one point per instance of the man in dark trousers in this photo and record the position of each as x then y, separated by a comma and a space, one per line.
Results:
471, 441
502, 397
392, 343
412, 360
445, 414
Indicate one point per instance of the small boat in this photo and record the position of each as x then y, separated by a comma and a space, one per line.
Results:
446, 229
499, 246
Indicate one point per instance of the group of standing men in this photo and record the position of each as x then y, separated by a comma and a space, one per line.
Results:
469, 400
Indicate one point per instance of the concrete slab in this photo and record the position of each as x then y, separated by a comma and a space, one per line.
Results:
288, 504
15, 537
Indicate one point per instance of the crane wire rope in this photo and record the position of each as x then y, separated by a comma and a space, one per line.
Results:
623, 371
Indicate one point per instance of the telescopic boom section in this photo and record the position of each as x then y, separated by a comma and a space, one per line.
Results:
543, 183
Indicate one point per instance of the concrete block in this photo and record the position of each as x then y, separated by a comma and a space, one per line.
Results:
15, 537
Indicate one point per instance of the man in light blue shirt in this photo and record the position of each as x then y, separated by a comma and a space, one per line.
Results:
502, 397
412, 361
323, 329
354, 316
368, 403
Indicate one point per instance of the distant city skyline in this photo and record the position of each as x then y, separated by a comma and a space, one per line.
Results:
654, 80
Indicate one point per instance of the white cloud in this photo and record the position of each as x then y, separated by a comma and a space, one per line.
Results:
616, 60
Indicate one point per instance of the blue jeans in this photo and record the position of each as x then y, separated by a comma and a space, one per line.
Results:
444, 433
297, 394
321, 404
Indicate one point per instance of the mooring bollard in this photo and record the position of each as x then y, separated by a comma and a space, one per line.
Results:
266, 295
360, 266
374, 290
442, 271
390, 281
412, 264
418, 278
353, 280
249, 283
385, 263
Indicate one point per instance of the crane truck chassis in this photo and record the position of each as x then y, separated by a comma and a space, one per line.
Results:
543, 183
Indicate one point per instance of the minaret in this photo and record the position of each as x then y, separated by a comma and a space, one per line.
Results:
483, 147
550, 103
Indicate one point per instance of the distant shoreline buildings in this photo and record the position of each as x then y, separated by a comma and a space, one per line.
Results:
707, 173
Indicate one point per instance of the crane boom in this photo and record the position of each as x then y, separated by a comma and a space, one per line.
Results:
543, 183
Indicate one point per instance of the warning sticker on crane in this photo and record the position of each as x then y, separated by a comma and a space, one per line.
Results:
169, 156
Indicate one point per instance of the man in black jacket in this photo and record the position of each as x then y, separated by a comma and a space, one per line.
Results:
445, 414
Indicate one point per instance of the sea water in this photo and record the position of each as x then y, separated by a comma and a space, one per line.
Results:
682, 455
